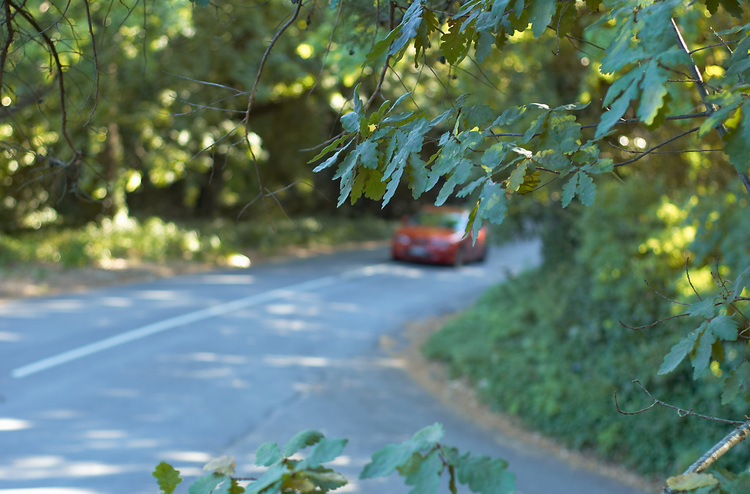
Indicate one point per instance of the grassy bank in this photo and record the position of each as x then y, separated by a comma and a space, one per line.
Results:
219, 242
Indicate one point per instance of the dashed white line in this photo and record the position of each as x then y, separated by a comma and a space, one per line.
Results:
200, 315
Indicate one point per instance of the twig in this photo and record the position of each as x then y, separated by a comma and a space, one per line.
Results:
657, 146
687, 274
386, 66
8, 42
263, 60
60, 74
680, 411
328, 49
664, 296
251, 98
96, 57
653, 324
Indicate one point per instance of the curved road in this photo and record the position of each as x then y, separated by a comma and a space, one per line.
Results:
97, 388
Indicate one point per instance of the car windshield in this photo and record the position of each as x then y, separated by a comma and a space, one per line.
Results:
438, 219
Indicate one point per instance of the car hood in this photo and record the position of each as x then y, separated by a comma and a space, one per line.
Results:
418, 231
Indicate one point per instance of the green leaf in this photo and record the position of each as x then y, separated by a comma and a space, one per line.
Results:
622, 51
370, 183
691, 481
727, 102
167, 477
724, 327
486, 475
326, 479
393, 182
408, 27
510, 116
329, 148
581, 185
539, 123
702, 351
738, 141
593, 5
368, 153
517, 176
211, 484
622, 92
493, 204
268, 454
741, 282
705, 309
271, 480
455, 43
324, 451
530, 182
569, 190
386, 460
331, 160
679, 352
653, 92
738, 381
302, 440
236, 488
426, 476
562, 133
540, 15
418, 176
428, 26
477, 116
733, 7
737, 63
350, 121
586, 189
380, 48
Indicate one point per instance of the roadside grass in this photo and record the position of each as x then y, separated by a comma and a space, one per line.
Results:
219, 242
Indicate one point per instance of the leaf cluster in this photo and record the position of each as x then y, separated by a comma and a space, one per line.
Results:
421, 460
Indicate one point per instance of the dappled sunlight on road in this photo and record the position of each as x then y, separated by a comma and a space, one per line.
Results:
181, 373
355, 363
48, 490
226, 279
53, 466
10, 424
42, 307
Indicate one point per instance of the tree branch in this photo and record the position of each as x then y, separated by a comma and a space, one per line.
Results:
251, 98
703, 92
60, 74
717, 451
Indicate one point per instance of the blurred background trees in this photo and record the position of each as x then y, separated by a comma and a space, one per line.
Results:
129, 109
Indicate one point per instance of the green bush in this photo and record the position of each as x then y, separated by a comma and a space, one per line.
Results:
549, 347
154, 239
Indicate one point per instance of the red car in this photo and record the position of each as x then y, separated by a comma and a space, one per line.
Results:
436, 235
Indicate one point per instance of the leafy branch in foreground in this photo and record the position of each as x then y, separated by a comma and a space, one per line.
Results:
693, 478
422, 461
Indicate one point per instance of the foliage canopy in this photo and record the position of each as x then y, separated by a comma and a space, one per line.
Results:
487, 101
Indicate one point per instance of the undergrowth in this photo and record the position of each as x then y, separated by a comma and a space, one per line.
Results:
549, 347
153, 239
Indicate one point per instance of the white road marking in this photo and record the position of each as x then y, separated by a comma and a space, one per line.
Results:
200, 315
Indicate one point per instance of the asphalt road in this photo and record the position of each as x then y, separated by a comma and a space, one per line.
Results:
97, 388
